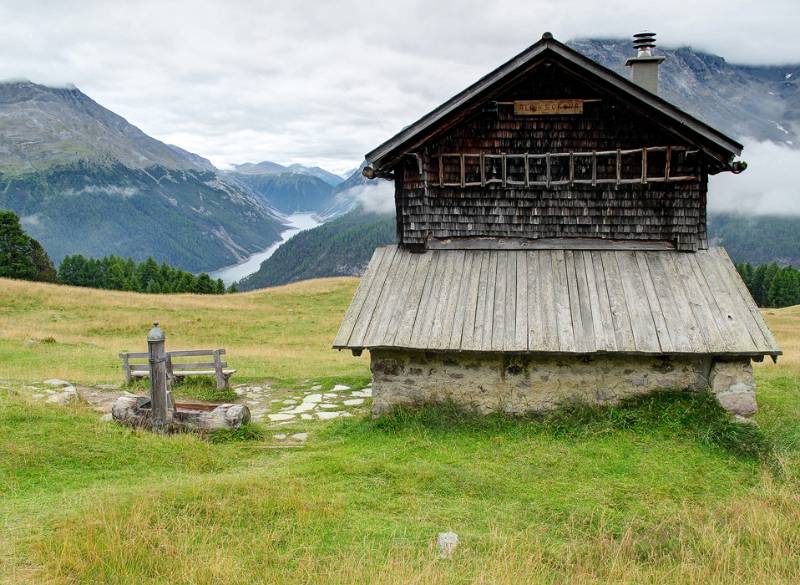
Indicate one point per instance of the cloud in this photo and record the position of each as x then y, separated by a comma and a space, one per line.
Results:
767, 187
375, 197
325, 82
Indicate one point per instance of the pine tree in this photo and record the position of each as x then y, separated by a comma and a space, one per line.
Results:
20, 255
233, 288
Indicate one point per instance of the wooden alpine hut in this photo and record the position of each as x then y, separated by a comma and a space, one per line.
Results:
552, 247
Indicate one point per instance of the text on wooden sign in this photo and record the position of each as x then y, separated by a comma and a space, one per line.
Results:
547, 107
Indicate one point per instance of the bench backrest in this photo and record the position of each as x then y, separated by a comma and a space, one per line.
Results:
131, 367
215, 363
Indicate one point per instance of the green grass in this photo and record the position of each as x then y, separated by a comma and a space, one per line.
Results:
664, 489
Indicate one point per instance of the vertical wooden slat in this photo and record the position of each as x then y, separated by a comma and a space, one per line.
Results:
696, 299
521, 320
619, 166
585, 301
642, 325
746, 298
671, 310
653, 300
427, 304
667, 164
574, 303
623, 332
348, 324
547, 166
500, 290
566, 336
686, 311
547, 292
411, 303
603, 319
443, 329
466, 336
644, 165
388, 300
487, 319
511, 301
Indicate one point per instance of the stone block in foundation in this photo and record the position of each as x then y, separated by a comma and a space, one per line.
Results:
733, 384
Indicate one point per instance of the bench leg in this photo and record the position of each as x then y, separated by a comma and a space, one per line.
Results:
222, 381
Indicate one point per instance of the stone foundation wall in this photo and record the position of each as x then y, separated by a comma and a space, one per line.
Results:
496, 382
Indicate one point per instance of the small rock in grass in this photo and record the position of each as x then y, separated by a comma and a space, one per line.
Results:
290, 401
328, 405
299, 437
365, 393
280, 437
317, 387
353, 401
340, 387
306, 417
447, 543
313, 398
56, 382
107, 417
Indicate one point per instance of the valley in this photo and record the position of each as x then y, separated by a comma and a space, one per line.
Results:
297, 223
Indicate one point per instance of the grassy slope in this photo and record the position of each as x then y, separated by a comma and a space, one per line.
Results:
645, 494
282, 333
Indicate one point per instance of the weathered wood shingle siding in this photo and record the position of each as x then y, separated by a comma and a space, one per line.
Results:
672, 212
556, 301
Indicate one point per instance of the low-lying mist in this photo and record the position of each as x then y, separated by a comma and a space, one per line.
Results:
768, 187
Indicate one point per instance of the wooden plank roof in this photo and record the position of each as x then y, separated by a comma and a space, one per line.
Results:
411, 136
556, 301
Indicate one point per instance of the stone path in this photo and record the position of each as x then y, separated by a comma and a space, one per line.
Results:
273, 407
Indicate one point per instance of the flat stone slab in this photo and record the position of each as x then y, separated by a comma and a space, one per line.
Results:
313, 398
331, 414
340, 388
280, 416
56, 382
353, 401
365, 393
300, 408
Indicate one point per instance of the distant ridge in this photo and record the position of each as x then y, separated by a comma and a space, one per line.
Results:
85, 181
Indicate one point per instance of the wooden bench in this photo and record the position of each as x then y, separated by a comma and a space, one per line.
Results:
177, 370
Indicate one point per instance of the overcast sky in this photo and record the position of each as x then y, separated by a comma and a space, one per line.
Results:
324, 82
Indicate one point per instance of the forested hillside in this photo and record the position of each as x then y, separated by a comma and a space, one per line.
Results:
341, 247
85, 181
288, 192
757, 239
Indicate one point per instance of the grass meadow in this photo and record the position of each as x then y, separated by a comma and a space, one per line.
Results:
663, 490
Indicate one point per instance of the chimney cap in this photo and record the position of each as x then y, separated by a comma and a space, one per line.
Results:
547, 35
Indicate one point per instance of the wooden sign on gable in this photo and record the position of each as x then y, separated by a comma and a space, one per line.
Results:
548, 107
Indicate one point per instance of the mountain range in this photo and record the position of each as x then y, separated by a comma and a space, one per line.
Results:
84, 180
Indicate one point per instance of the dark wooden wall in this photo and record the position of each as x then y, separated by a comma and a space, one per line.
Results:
672, 212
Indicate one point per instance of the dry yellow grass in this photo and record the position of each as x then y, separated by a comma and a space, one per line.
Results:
76, 333
785, 324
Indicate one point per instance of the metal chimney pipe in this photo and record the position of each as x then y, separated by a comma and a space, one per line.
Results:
644, 67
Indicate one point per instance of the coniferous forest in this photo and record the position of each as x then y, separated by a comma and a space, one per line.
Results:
772, 285
24, 258
116, 273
